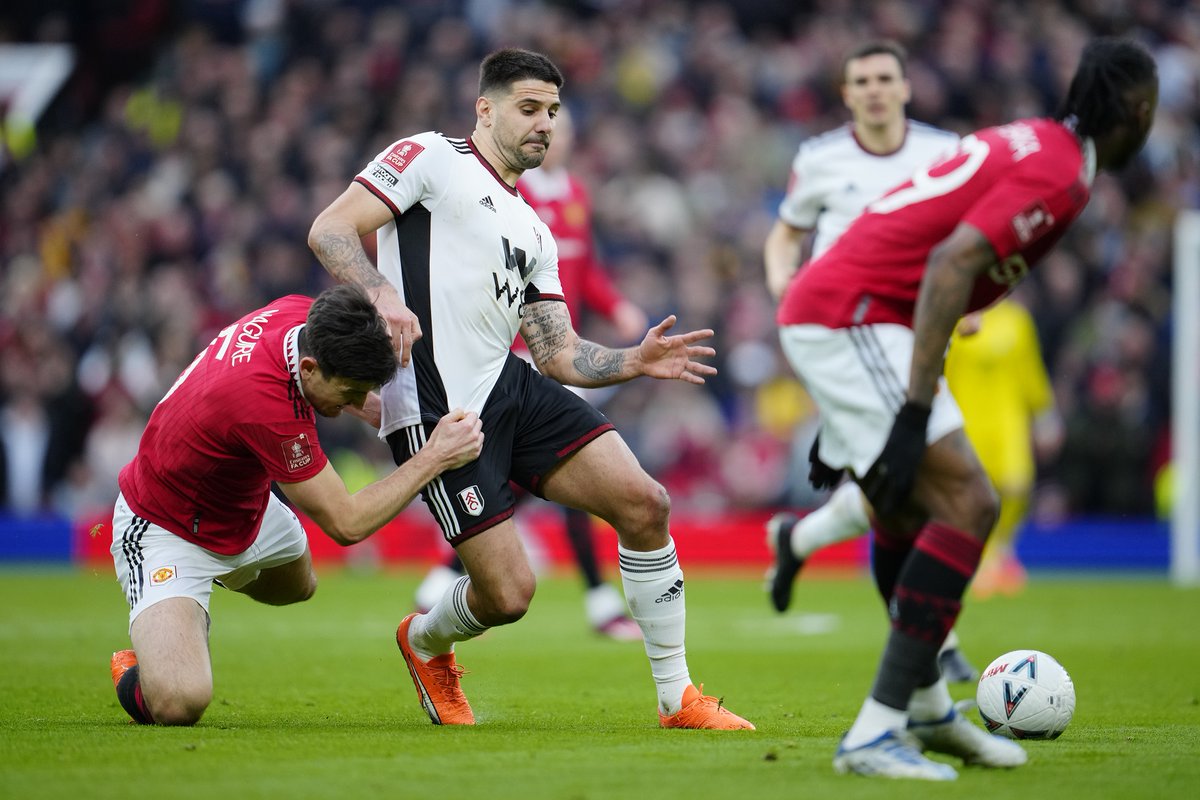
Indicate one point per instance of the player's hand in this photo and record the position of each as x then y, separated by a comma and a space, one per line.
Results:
970, 324
820, 474
402, 322
671, 357
457, 439
889, 481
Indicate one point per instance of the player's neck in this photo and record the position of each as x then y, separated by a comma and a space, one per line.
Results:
491, 155
881, 139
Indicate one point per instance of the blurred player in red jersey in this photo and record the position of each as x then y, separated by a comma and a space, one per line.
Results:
563, 203
196, 505
866, 326
834, 176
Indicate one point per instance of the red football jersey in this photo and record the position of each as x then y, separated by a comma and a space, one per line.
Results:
234, 421
564, 205
1021, 185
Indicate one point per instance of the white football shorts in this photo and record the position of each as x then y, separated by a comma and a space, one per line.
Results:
858, 377
153, 564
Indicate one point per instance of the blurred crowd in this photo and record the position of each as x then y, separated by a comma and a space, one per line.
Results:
175, 178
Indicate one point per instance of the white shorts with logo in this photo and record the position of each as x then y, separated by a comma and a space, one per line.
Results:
858, 377
153, 564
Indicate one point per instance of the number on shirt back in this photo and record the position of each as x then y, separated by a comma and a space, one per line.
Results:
973, 153
225, 335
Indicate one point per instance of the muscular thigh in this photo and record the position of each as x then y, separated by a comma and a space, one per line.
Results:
603, 478
951, 485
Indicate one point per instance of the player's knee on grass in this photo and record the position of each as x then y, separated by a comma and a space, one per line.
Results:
182, 704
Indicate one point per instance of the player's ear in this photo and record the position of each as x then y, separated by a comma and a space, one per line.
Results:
483, 111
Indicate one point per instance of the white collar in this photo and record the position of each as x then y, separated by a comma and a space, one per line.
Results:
291, 355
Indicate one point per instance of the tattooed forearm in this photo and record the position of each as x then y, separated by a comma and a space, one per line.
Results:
344, 258
600, 364
546, 327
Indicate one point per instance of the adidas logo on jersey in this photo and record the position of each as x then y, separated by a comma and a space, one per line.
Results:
488, 204
672, 594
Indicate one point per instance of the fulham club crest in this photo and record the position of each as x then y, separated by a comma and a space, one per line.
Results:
471, 501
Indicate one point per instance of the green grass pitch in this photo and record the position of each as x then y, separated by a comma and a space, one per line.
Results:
313, 701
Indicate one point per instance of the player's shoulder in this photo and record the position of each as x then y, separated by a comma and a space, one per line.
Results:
421, 146
923, 131
828, 142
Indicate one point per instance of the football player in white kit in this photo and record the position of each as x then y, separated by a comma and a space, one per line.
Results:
464, 265
834, 176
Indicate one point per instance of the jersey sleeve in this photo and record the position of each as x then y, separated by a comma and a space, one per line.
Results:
406, 173
1016, 210
803, 201
288, 452
544, 283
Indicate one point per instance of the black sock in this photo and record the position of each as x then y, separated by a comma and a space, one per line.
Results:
129, 694
579, 534
888, 554
924, 606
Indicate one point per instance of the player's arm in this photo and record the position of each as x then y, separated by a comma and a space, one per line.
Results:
350, 518
561, 354
336, 240
950, 274
945, 291
782, 254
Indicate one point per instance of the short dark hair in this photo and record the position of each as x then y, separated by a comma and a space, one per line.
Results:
347, 337
1108, 68
503, 68
882, 47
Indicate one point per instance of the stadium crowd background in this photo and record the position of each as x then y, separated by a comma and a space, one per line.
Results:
175, 177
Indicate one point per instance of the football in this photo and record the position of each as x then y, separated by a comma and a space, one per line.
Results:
1026, 694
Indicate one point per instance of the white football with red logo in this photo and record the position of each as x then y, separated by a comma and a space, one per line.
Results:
1026, 694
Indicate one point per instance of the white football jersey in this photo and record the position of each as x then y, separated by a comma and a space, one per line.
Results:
466, 253
834, 177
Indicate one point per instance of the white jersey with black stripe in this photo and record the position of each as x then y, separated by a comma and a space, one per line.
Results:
466, 253
834, 178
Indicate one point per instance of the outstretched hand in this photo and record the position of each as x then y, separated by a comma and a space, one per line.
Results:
457, 439
402, 322
671, 357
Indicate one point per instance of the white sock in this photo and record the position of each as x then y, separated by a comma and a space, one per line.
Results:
951, 642
843, 517
653, 585
449, 621
931, 703
873, 721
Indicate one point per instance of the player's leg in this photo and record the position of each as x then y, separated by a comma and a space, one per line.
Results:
277, 569
473, 506
174, 674
794, 539
166, 678
495, 591
923, 558
925, 598
604, 478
